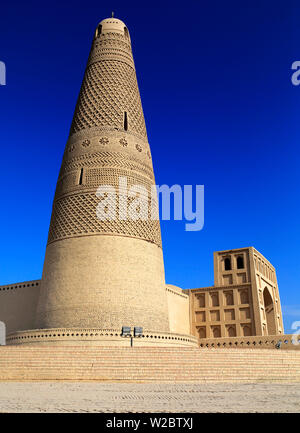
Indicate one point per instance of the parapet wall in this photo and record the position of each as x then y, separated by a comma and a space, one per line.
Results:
99, 337
18, 304
179, 310
283, 342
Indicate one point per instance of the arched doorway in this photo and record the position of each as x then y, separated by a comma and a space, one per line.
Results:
270, 312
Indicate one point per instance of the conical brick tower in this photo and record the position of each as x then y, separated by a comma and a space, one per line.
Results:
104, 274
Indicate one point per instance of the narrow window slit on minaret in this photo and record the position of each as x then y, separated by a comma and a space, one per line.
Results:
81, 176
125, 121
99, 30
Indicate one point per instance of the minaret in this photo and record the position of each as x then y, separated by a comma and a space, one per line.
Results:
104, 274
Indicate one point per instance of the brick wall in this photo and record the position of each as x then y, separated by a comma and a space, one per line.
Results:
148, 364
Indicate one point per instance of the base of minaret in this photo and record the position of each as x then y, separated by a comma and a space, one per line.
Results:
102, 337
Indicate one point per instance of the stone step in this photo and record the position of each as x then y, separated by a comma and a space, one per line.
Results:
148, 364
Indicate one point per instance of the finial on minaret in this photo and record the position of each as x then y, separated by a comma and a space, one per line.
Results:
112, 14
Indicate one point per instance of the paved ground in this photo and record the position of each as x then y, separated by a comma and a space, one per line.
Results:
114, 397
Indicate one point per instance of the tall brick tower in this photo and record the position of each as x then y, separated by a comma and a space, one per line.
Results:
104, 274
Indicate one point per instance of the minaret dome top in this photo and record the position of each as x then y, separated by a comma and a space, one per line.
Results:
112, 25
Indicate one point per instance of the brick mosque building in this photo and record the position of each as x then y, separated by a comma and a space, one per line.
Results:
243, 302
100, 275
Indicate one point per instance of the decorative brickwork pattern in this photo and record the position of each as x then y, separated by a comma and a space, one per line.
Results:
106, 159
76, 215
111, 45
109, 88
105, 273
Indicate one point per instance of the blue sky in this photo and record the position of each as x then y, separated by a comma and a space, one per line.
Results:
220, 109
